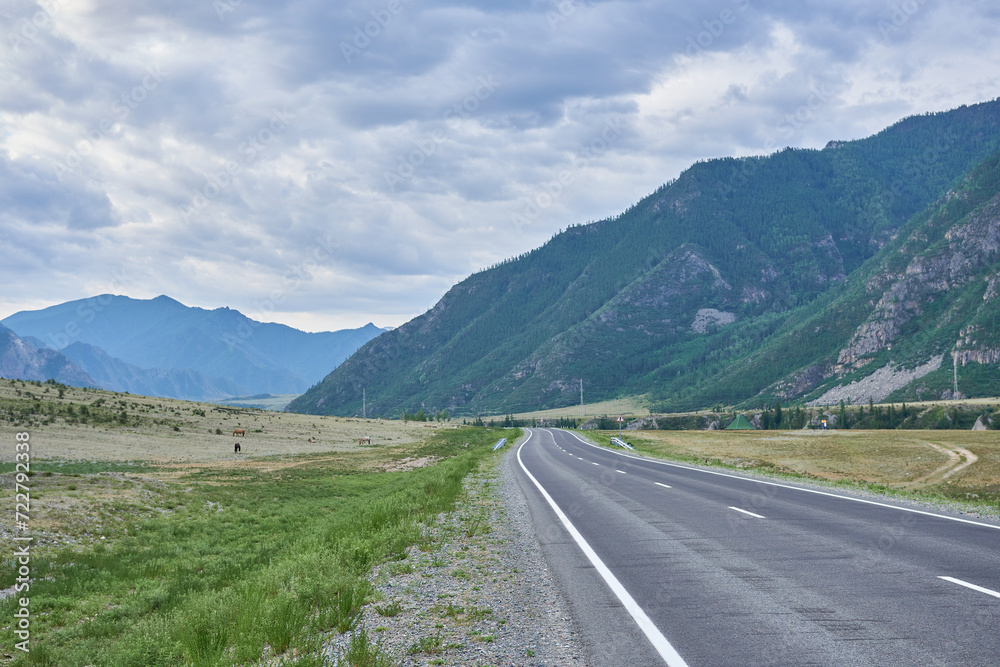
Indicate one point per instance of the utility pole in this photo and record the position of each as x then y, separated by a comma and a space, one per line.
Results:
581, 398
364, 404
954, 359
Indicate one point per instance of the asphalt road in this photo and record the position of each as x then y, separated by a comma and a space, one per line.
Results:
671, 564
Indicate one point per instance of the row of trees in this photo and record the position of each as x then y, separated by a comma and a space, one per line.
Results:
881, 417
421, 416
777, 417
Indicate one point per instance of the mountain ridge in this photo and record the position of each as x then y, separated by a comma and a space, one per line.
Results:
117, 375
20, 359
763, 238
162, 343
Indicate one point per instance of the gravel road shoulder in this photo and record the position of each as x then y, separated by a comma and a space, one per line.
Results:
477, 591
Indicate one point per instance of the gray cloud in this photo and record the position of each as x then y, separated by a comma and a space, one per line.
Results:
140, 151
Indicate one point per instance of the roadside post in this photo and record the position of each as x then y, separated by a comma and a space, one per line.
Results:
621, 443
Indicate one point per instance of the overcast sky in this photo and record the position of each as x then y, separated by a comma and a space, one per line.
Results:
326, 164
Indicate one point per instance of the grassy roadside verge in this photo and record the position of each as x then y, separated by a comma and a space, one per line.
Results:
475, 592
884, 462
239, 567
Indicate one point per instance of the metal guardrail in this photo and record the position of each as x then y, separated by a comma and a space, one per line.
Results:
621, 443
500, 443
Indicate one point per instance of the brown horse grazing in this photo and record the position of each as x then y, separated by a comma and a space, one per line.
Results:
236, 448
240, 431
365, 441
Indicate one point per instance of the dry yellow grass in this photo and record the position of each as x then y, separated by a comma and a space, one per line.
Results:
904, 459
267, 433
633, 406
67, 507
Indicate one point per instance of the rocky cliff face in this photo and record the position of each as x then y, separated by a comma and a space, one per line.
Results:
683, 281
968, 349
801, 382
928, 301
946, 266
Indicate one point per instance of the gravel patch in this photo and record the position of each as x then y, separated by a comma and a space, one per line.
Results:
878, 385
477, 592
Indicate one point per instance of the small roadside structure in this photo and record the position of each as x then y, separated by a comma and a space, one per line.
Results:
740, 424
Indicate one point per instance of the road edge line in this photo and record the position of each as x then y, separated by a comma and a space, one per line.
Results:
756, 516
972, 586
653, 634
783, 486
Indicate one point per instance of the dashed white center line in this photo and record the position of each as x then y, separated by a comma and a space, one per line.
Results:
621, 472
972, 586
756, 516
594, 464
663, 485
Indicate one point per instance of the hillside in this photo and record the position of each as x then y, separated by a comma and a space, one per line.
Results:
672, 295
117, 375
23, 360
168, 349
928, 300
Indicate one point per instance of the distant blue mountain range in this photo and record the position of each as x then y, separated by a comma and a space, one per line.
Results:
22, 359
160, 347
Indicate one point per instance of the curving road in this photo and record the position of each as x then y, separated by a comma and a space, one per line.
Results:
665, 563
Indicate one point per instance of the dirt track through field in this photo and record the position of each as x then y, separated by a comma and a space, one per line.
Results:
913, 460
959, 458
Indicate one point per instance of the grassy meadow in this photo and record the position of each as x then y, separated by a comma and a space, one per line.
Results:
634, 406
156, 544
961, 466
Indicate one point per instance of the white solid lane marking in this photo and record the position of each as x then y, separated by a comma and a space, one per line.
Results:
784, 486
756, 516
663, 485
972, 586
645, 623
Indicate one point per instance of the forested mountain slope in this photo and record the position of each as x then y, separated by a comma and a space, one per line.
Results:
928, 301
668, 297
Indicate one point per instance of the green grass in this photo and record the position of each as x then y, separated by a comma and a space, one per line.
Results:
362, 653
256, 566
429, 645
392, 609
91, 467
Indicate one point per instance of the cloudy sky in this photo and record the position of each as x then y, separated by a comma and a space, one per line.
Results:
326, 164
